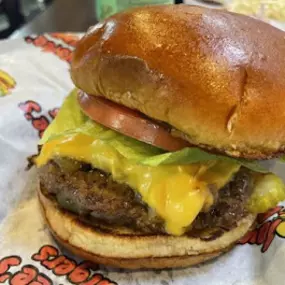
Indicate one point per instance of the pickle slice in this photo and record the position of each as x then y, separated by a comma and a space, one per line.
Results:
268, 190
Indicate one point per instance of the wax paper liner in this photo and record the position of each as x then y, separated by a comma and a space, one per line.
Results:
36, 80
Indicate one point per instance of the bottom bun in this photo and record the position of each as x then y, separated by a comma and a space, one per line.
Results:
134, 252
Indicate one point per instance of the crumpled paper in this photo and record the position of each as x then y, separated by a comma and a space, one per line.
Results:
34, 79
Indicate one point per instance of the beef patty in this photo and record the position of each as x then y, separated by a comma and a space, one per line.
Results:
98, 199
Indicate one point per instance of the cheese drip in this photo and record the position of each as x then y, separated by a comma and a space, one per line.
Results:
178, 193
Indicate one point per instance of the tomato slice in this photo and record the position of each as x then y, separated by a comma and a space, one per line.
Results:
129, 122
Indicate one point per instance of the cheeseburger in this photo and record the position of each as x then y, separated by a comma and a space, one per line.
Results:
153, 161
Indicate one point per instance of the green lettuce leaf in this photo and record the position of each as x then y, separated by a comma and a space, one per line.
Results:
282, 159
70, 121
68, 118
194, 155
126, 146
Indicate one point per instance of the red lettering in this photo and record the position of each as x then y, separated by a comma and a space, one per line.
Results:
253, 238
94, 280
8, 262
41, 133
65, 267
53, 112
42, 279
28, 116
30, 275
105, 282
4, 277
270, 234
28, 39
30, 106
80, 273
246, 238
50, 264
263, 217
5, 264
262, 232
40, 123
45, 253
25, 276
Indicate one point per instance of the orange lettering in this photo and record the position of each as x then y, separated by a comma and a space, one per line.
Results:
68, 39
63, 53
40, 41
49, 47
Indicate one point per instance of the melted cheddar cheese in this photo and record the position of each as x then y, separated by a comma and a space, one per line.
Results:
178, 193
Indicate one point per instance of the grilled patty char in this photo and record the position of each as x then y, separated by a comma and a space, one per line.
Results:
97, 198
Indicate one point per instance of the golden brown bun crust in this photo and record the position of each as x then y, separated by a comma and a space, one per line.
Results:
134, 252
139, 263
216, 76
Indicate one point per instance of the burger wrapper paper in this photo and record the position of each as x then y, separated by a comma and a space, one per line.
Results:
34, 80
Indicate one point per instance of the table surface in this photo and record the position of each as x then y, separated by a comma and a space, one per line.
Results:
61, 16
68, 16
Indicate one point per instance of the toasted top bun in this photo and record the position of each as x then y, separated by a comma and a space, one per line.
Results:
131, 251
216, 77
